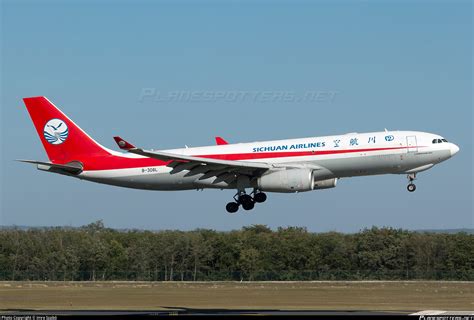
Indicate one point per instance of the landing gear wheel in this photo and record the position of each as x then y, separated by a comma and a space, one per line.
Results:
411, 187
245, 199
248, 205
232, 207
260, 197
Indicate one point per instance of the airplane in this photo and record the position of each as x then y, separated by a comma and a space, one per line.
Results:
284, 166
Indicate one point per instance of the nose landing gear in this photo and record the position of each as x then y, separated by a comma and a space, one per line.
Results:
411, 186
246, 201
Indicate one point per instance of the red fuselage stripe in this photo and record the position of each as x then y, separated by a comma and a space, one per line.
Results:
112, 162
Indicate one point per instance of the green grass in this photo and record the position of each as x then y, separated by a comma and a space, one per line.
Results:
326, 295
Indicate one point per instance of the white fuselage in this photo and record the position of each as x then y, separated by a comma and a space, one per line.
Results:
338, 156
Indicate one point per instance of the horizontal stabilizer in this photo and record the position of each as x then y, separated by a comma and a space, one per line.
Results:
71, 168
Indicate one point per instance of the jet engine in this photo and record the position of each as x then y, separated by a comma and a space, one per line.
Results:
325, 184
290, 180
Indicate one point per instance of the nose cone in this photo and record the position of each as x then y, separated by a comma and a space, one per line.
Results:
454, 149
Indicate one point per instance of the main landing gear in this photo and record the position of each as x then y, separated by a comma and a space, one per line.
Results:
411, 186
246, 201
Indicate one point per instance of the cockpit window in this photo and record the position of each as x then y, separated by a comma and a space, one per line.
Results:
440, 141
444, 140
434, 141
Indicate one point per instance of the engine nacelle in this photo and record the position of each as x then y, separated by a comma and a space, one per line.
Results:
290, 180
325, 184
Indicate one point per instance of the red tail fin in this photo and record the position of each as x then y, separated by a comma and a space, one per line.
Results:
62, 139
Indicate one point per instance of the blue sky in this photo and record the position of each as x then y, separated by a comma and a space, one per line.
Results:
392, 64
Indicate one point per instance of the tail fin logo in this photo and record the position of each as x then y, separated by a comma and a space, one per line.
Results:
55, 131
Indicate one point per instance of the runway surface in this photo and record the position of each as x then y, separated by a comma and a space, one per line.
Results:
177, 311
203, 312
323, 298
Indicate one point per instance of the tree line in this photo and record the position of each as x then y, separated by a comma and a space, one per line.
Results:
94, 252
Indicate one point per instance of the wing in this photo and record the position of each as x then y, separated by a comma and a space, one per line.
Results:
222, 170
220, 141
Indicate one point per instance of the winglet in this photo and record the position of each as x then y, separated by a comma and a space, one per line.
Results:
220, 141
124, 145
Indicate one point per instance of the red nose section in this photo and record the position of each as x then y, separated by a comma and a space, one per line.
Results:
62, 139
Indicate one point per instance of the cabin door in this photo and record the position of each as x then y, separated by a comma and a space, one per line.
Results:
412, 146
